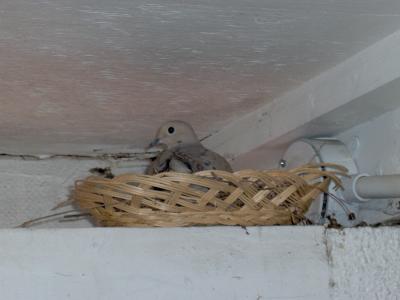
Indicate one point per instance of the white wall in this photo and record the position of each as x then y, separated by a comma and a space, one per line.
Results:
31, 188
200, 263
379, 144
364, 263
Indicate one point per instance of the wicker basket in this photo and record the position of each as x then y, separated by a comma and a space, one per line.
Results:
244, 198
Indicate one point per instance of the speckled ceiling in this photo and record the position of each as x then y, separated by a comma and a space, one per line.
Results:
96, 72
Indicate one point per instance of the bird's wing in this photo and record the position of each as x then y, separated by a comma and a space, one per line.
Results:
197, 158
188, 159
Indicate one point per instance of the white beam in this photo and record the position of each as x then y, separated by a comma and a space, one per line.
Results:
361, 87
165, 263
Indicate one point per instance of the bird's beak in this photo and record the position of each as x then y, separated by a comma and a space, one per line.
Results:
154, 143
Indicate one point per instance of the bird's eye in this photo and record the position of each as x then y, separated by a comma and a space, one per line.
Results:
171, 130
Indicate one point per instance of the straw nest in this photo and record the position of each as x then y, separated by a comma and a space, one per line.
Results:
245, 198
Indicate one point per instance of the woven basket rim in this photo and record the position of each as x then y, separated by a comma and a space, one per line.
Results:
246, 197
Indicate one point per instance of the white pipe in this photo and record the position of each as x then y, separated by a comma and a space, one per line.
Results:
364, 187
378, 187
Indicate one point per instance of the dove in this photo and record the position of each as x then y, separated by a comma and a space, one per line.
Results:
183, 152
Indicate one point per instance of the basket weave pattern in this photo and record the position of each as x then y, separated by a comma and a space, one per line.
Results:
244, 198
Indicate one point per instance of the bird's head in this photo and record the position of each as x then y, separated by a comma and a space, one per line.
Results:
174, 133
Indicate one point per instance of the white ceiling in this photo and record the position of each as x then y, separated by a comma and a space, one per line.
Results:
95, 72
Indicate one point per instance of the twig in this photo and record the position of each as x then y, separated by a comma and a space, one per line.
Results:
31, 222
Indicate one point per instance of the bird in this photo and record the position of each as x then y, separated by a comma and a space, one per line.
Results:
182, 151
